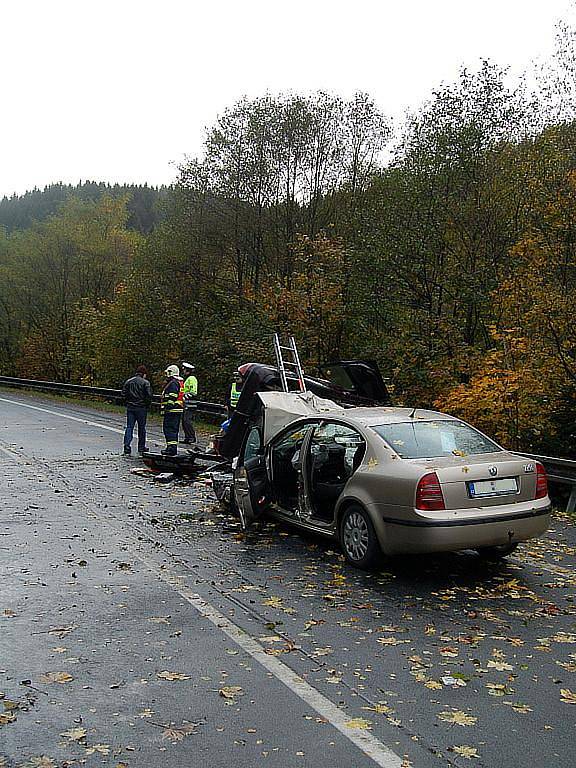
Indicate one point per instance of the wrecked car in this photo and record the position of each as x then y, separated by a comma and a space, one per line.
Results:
384, 480
346, 382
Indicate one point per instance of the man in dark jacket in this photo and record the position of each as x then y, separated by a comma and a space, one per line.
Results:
137, 394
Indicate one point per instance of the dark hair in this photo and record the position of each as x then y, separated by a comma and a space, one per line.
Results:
141, 370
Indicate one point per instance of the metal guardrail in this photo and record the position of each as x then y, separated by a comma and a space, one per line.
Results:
214, 410
562, 471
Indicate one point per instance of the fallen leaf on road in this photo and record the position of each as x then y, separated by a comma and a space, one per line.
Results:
179, 734
391, 641
457, 718
42, 761
7, 718
74, 734
102, 749
313, 623
381, 709
564, 637
56, 677
449, 651
172, 676
274, 602
159, 619
501, 666
10, 705
360, 723
567, 696
230, 691
522, 708
465, 751
61, 631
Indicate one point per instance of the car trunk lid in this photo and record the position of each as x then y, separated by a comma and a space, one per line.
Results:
483, 480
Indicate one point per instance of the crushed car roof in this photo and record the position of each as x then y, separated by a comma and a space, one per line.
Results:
282, 408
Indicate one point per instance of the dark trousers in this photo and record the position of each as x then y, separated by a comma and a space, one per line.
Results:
135, 415
188, 425
171, 427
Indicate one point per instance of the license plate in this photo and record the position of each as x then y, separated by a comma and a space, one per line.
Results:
499, 487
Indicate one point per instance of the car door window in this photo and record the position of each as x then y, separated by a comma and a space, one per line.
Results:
336, 452
253, 446
286, 459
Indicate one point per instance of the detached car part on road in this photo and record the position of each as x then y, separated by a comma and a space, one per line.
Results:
384, 480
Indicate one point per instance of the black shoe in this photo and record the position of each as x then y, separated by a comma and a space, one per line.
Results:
169, 452
127, 451
143, 450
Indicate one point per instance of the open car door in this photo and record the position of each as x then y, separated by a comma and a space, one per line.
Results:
251, 490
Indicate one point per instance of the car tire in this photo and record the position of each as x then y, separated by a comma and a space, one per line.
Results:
496, 553
358, 538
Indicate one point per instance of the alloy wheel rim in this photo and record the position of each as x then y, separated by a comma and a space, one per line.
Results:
356, 536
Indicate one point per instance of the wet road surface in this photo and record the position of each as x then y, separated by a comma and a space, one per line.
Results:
140, 627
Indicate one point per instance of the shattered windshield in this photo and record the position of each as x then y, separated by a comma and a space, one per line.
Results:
430, 439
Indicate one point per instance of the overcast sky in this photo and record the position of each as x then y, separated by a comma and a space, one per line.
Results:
120, 90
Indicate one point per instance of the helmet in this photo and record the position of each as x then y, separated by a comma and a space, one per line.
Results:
172, 370
188, 366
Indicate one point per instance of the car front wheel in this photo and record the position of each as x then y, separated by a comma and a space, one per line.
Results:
358, 538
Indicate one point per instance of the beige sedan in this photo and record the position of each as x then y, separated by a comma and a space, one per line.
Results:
387, 481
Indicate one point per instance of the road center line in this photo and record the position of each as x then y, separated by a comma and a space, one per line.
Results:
378, 752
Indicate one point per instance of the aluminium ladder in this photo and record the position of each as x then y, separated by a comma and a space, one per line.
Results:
293, 365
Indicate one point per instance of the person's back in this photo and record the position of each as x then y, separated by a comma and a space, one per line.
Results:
137, 394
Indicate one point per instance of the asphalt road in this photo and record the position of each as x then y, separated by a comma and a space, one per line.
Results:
139, 627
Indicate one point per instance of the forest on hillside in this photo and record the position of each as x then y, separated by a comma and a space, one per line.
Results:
444, 248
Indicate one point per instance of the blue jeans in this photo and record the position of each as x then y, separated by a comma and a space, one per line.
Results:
135, 416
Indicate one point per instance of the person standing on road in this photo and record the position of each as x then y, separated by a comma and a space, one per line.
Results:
190, 395
234, 394
171, 408
137, 395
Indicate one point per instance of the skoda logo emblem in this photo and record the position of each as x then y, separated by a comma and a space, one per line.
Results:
493, 471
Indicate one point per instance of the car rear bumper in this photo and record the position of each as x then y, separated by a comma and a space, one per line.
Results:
420, 535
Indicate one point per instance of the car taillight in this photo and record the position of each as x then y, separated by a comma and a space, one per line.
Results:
541, 482
429, 493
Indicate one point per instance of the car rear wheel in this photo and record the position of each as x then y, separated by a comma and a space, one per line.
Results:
497, 553
358, 538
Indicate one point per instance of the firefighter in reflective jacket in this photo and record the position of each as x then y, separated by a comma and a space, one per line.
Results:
171, 408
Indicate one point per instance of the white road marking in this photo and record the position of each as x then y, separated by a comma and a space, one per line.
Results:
63, 415
88, 423
378, 752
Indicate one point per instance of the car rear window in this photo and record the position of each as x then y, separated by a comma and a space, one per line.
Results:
430, 439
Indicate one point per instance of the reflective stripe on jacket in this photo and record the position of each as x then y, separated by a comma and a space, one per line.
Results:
234, 395
173, 396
